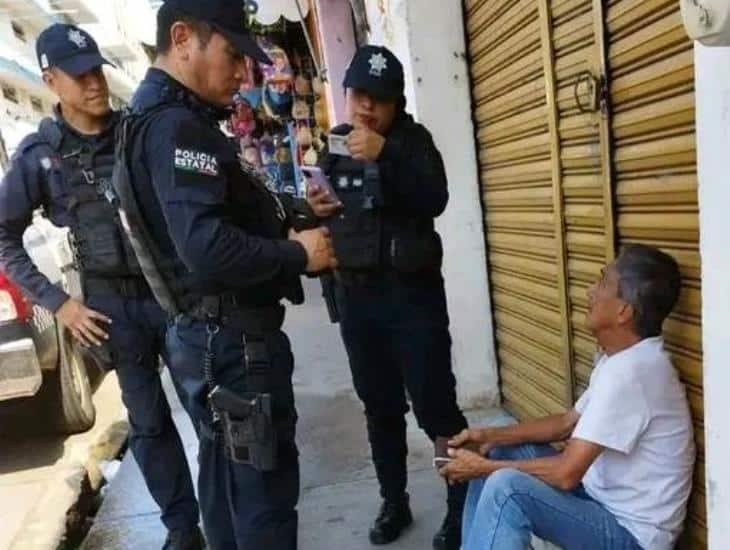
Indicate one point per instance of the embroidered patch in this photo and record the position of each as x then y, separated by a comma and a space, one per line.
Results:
196, 162
378, 63
77, 38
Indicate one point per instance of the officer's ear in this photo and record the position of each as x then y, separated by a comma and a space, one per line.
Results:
181, 38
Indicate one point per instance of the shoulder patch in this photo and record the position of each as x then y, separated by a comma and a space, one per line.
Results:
196, 162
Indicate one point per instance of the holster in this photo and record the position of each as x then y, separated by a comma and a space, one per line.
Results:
248, 427
246, 419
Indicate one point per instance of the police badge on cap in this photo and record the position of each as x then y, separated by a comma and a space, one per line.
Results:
69, 48
377, 71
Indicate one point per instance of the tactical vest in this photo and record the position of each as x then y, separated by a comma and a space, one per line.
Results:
252, 207
357, 228
99, 245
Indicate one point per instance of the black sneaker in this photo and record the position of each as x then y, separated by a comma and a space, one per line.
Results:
392, 520
184, 540
449, 536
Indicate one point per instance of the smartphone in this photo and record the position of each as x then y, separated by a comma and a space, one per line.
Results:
441, 452
315, 175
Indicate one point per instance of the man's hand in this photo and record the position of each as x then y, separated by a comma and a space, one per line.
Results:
474, 440
322, 203
464, 466
365, 144
83, 323
318, 245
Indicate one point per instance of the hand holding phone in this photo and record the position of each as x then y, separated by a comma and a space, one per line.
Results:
320, 195
441, 452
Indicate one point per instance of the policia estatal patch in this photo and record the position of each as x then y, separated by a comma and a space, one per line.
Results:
196, 162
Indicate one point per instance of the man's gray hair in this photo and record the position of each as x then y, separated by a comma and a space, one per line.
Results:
650, 281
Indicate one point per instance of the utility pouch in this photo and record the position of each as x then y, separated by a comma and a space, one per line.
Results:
413, 251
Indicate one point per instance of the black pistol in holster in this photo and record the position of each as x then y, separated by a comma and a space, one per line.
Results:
248, 427
328, 293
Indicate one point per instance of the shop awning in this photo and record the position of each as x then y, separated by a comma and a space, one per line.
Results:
270, 11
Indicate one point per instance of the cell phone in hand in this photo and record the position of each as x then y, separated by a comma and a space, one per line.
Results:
441, 452
315, 176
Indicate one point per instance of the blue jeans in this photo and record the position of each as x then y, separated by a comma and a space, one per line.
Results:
503, 511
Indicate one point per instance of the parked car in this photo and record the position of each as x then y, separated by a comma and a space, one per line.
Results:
45, 381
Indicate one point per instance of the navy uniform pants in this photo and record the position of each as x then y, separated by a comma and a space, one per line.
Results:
396, 333
137, 336
242, 508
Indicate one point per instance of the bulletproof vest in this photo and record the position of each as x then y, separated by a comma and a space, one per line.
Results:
252, 207
98, 241
357, 228
258, 210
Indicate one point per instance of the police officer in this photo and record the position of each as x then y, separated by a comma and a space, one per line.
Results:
388, 185
221, 257
65, 169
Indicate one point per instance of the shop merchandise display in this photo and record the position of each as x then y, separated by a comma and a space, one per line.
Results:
280, 115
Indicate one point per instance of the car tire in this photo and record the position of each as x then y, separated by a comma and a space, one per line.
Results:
70, 383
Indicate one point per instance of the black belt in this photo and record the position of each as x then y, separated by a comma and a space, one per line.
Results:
229, 311
127, 287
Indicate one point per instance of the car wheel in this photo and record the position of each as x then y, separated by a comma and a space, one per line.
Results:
74, 405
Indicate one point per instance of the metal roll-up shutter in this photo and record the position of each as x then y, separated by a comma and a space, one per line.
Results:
511, 117
652, 93
585, 180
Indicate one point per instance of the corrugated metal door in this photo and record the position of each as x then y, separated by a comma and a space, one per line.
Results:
585, 122
652, 92
525, 251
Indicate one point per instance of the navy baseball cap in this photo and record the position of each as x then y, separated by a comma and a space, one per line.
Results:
376, 70
228, 17
69, 48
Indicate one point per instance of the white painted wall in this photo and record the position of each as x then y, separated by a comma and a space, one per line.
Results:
712, 67
430, 43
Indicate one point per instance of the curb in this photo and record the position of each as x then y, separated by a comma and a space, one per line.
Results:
61, 510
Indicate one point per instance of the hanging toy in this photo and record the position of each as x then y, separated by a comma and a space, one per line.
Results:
302, 85
278, 81
243, 121
304, 135
252, 156
267, 149
321, 113
318, 86
301, 110
311, 158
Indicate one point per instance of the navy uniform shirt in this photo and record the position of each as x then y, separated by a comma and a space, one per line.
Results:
36, 179
184, 170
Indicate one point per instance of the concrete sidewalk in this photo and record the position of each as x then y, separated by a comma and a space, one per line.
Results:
339, 492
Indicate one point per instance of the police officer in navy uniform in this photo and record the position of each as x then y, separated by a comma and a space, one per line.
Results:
389, 184
219, 243
65, 168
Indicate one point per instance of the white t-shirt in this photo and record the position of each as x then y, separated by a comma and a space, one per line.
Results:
636, 407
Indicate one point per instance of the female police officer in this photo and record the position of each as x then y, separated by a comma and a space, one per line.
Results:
66, 168
390, 185
220, 242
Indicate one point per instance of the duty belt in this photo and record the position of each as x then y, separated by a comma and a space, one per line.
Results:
229, 311
127, 287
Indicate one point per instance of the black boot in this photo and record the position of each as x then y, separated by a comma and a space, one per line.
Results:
180, 539
449, 536
394, 517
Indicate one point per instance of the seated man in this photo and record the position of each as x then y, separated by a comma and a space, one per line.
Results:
623, 479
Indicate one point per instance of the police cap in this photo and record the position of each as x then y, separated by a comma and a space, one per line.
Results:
69, 48
228, 17
377, 71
